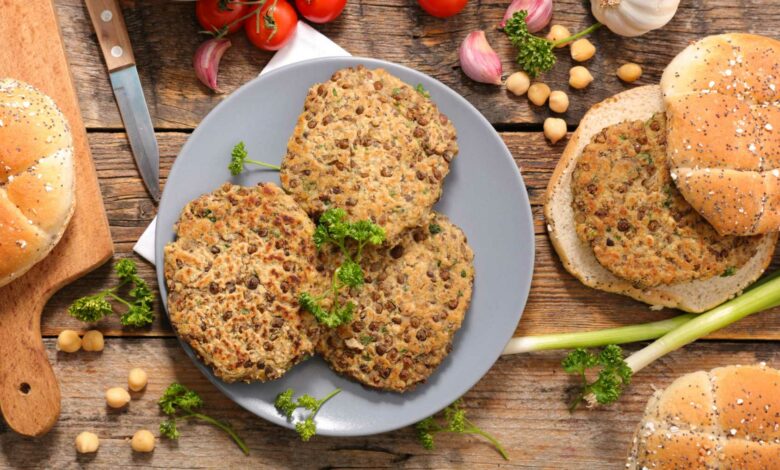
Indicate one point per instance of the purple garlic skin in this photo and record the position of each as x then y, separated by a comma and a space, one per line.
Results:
206, 61
539, 13
478, 60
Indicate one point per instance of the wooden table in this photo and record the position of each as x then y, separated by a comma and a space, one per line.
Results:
522, 400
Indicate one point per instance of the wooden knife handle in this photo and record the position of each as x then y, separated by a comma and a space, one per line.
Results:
29, 392
112, 34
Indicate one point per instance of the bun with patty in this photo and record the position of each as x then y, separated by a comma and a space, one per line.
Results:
619, 225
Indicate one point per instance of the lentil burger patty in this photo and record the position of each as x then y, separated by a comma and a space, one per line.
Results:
628, 209
371, 144
234, 274
414, 300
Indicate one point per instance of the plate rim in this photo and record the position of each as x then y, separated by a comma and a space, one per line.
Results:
526, 210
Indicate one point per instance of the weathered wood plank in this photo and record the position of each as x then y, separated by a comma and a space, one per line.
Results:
522, 401
558, 302
164, 36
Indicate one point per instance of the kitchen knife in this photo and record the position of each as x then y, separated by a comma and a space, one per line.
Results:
114, 41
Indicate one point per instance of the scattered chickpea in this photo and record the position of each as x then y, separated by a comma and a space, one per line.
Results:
68, 341
87, 442
554, 129
558, 32
579, 77
538, 93
143, 441
582, 50
559, 101
136, 379
92, 341
518, 83
629, 72
117, 397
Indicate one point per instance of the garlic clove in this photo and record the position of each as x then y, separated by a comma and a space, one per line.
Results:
206, 61
539, 13
478, 60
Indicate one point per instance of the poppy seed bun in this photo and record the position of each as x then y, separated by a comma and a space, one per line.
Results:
722, 97
725, 418
578, 258
37, 194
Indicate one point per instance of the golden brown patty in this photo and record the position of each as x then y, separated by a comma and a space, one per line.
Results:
414, 300
234, 274
371, 144
628, 209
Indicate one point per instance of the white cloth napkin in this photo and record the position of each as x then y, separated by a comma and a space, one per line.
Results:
308, 43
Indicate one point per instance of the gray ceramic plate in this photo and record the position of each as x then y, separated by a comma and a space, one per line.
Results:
484, 194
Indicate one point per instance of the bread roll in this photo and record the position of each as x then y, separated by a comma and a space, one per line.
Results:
722, 97
640, 103
727, 418
36, 177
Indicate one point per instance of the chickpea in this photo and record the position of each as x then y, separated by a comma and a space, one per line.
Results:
579, 77
554, 129
68, 341
117, 397
87, 442
629, 72
538, 93
558, 32
518, 83
92, 341
143, 441
559, 101
136, 379
582, 50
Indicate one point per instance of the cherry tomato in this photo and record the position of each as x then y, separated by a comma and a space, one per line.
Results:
442, 8
273, 26
212, 18
320, 11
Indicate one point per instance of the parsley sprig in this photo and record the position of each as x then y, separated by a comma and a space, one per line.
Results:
239, 159
139, 306
179, 401
286, 405
613, 377
350, 238
535, 54
455, 421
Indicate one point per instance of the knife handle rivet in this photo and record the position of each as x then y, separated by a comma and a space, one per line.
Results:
106, 16
117, 51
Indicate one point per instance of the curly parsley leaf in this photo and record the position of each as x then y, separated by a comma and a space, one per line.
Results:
93, 308
239, 158
455, 421
350, 237
178, 401
286, 405
613, 377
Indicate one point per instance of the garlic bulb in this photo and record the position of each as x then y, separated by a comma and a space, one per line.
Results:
634, 17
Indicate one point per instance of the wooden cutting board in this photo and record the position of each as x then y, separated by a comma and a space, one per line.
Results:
31, 50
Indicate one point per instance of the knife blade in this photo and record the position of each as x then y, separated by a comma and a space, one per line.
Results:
114, 40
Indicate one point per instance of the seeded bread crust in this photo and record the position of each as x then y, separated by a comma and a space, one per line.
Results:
370, 144
722, 97
241, 258
413, 302
37, 173
723, 419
